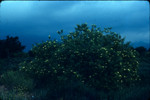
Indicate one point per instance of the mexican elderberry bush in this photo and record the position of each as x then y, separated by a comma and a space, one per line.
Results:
97, 58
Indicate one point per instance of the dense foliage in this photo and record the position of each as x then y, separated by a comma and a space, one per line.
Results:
98, 59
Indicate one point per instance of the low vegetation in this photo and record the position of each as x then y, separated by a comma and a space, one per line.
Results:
87, 64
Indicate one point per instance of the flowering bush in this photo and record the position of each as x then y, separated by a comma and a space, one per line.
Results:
98, 59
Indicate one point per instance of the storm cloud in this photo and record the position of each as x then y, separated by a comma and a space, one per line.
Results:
33, 21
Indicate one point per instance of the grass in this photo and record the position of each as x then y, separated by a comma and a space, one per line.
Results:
12, 95
134, 93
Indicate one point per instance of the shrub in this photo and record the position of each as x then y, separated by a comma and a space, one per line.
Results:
99, 59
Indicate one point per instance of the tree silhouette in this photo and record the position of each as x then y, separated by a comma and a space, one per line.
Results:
10, 46
141, 50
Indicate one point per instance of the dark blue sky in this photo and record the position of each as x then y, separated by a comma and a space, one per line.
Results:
33, 21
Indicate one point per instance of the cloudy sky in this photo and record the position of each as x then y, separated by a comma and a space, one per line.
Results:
33, 21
